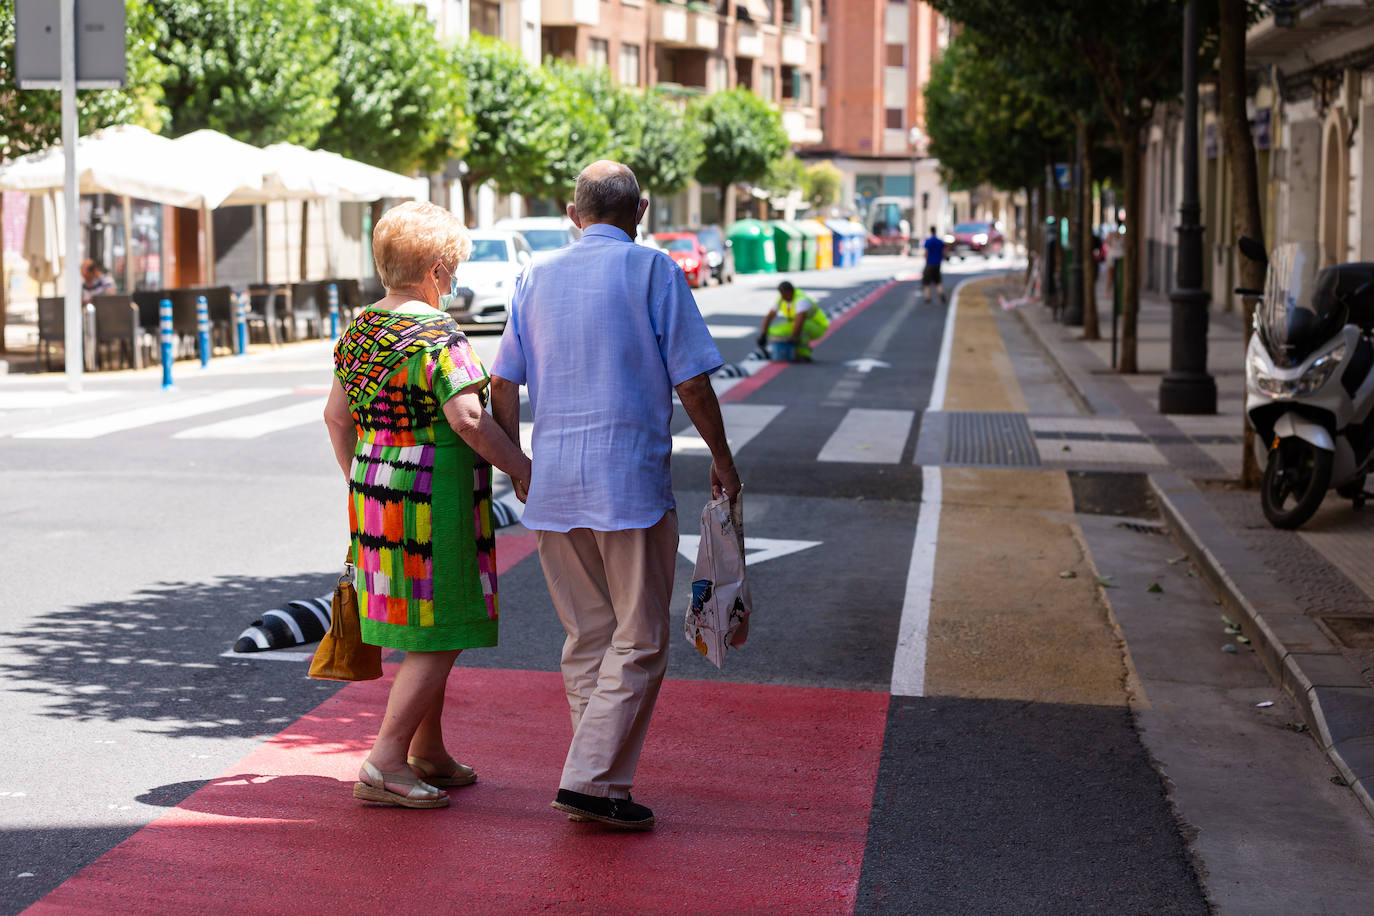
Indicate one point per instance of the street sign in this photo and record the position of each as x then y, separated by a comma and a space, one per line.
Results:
100, 44
1062, 175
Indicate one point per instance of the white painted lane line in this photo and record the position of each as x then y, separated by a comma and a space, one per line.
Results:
937, 391
913, 633
909, 663
732, 331
869, 436
260, 424
742, 423
147, 416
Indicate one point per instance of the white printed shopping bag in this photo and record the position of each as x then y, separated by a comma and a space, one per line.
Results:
720, 594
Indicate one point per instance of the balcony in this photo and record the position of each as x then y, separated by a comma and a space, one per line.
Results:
749, 41
793, 51
570, 12
703, 29
668, 24
681, 27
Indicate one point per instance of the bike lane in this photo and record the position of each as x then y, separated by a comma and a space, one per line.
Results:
762, 775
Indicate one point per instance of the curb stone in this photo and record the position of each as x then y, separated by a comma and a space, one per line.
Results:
1335, 700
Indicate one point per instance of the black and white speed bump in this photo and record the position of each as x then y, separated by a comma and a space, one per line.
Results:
298, 623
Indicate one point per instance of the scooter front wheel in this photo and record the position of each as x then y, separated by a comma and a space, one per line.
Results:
1296, 477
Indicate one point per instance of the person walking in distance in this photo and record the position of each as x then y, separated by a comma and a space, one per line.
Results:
602, 332
935, 256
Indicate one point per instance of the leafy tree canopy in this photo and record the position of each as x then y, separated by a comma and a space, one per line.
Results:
257, 70
506, 101
578, 109
821, 185
786, 174
31, 119
398, 94
657, 141
742, 135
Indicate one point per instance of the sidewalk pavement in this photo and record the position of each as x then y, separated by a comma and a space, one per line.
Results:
1304, 599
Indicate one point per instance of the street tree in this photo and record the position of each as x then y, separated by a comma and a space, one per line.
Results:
1132, 49
580, 104
398, 94
821, 185
785, 175
656, 140
1233, 18
742, 135
257, 70
507, 104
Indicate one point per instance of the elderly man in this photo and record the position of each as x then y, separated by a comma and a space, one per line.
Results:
603, 331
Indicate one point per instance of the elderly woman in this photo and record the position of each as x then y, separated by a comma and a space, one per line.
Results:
406, 419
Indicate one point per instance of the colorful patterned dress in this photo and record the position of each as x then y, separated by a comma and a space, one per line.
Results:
419, 497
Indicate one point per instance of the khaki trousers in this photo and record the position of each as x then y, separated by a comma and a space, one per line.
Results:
612, 590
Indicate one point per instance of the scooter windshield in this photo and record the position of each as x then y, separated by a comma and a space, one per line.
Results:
1293, 320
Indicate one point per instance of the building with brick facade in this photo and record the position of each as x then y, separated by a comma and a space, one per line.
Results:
876, 57
771, 47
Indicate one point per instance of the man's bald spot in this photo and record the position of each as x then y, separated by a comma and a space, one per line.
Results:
607, 191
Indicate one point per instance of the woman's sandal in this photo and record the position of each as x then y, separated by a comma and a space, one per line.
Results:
371, 787
459, 776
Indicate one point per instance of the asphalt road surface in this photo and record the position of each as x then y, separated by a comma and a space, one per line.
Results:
927, 719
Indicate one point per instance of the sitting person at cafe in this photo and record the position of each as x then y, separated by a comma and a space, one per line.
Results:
95, 281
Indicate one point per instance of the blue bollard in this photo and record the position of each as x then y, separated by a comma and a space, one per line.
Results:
333, 311
241, 319
203, 329
164, 314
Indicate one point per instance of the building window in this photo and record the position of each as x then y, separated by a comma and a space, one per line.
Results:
598, 53
484, 16
629, 65
896, 55
806, 91
767, 91
896, 118
791, 84
720, 74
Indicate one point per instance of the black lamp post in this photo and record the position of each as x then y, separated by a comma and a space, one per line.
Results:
1188, 388
1073, 280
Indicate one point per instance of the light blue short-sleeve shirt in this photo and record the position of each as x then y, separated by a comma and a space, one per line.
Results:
601, 331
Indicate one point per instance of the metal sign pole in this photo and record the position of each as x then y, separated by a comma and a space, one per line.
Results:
71, 273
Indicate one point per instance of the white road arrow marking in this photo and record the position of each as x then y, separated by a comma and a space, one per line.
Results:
867, 365
764, 549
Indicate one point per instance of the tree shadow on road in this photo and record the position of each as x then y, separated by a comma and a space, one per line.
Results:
153, 660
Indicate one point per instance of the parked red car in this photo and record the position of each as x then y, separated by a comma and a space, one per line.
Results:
976, 238
688, 252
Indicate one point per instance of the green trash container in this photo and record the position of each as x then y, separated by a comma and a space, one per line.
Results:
751, 244
788, 241
811, 244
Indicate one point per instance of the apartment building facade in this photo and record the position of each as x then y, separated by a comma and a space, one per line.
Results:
771, 47
876, 57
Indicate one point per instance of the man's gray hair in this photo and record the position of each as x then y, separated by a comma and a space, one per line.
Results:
607, 190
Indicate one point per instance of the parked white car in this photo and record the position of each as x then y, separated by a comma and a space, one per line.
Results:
544, 233
498, 257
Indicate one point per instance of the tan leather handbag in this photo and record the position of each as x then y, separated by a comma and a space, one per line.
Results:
342, 655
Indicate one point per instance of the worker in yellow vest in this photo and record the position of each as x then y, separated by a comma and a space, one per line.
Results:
796, 319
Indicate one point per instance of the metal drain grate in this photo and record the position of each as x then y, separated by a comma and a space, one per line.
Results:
1000, 439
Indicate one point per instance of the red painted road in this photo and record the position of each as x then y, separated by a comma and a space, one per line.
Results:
762, 795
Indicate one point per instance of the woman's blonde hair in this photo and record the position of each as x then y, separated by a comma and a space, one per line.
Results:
410, 237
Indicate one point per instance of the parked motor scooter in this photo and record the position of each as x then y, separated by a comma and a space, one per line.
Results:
1309, 380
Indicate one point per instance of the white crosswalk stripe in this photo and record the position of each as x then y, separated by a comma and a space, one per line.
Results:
123, 421
742, 423
260, 424
869, 436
